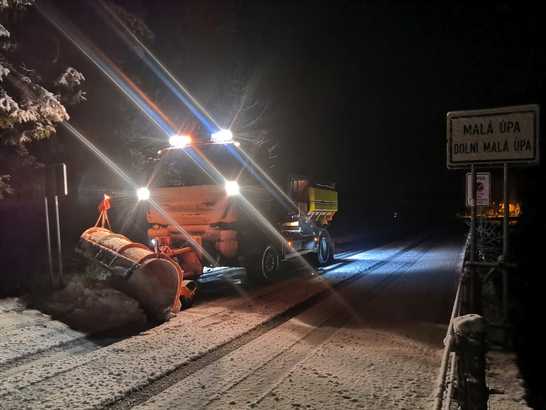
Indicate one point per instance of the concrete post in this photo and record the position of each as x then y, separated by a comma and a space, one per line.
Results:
469, 332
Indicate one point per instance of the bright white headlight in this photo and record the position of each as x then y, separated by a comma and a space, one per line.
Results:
232, 188
222, 136
143, 193
179, 141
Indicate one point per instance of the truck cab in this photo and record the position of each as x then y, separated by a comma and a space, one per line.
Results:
220, 201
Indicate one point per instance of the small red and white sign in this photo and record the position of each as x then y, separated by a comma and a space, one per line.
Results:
483, 188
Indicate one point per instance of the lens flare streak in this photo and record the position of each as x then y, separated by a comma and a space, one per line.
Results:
125, 177
109, 69
159, 119
159, 69
263, 178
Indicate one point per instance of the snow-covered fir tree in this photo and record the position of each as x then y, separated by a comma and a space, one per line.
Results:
30, 106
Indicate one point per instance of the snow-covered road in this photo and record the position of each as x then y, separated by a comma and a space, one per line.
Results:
365, 333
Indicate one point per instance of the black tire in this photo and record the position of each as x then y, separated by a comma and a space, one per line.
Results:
325, 251
264, 264
186, 302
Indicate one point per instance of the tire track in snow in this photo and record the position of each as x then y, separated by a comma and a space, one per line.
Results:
317, 334
61, 341
27, 341
264, 379
87, 381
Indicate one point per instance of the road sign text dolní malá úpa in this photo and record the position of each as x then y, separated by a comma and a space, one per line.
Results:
499, 135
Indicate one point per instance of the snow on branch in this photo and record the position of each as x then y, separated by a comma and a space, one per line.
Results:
70, 78
19, 4
4, 32
7, 104
35, 117
4, 71
5, 189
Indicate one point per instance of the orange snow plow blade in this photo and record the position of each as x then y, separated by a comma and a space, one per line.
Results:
153, 279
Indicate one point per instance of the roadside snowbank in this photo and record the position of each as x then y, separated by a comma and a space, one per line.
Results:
92, 306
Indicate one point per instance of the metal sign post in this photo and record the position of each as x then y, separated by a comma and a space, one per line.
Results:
59, 246
505, 222
473, 242
55, 185
506, 211
48, 238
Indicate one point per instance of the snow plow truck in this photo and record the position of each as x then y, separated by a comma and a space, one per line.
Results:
216, 211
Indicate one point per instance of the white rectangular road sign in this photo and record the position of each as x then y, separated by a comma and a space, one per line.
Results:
493, 136
483, 189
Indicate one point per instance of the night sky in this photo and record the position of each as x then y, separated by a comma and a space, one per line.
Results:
356, 92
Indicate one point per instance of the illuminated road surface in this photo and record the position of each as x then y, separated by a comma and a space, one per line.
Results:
365, 333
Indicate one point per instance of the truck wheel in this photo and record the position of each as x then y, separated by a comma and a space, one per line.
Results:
266, 263
325, 251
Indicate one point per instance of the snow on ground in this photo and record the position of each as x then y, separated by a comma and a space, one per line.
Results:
11, 305
505, 382
322, 359
388, 356
25, 331
360, 368
225, 382
28, 334
92, 306
105, 375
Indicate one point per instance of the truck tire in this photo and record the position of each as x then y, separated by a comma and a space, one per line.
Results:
325, 251
264, 264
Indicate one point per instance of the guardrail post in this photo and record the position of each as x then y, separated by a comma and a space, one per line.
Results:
469, 332
505, 249
474, 279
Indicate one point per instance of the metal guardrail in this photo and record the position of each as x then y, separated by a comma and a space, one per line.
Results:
443, 396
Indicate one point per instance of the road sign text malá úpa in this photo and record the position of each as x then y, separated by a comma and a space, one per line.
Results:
493, 136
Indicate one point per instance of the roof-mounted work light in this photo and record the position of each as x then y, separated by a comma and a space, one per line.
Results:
143, 193
179, 141
222, 136
232, 188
